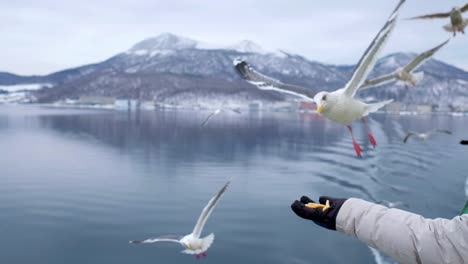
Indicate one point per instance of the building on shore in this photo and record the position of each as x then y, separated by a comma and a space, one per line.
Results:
393, 107
424, 108
307, 106
96, 100
126, 104
255, 106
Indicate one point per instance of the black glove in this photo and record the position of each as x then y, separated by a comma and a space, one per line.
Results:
464, 142
322, 218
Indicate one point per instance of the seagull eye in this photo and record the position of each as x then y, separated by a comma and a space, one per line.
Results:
324, 98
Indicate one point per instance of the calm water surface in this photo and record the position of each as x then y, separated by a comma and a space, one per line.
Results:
76, 185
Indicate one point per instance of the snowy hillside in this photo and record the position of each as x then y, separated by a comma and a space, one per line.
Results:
177, 69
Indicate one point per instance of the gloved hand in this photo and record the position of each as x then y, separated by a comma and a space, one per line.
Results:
324, 218
464, 142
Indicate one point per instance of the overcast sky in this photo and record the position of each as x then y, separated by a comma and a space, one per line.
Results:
40, 37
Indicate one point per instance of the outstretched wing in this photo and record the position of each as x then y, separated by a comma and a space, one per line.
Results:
439, 131
207, 119
264, 82
207, 211
379, 81
368, 59
175, 239
236, 110
437, 15
464, 8
408, 136
423, 57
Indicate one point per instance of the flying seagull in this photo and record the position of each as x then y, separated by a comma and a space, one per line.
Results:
464, 142
424, 136
340, 105
405, 74
217, 112
457, 22
192, 243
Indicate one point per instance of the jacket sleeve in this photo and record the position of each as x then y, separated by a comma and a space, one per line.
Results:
404, 236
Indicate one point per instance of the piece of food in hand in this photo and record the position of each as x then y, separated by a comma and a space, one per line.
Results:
317, 205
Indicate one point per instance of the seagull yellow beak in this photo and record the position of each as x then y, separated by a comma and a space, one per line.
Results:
320, 108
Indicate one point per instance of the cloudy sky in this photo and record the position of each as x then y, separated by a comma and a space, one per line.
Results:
40, 37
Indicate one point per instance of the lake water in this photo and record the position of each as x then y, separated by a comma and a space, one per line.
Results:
76, 185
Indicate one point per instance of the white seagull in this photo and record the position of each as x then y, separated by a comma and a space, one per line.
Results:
192, 242
425, 136
457, 22
340, 105
217, 112
405, 74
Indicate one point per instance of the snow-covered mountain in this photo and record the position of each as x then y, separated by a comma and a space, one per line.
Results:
171, 68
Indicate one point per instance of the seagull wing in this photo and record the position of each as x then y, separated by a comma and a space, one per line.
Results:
408, 136
423, 57
175, 239
437, 15
368, 59
208, 118
397, 7
439, 131
207, 211
264, 82
379, 81
464, 8
236, 110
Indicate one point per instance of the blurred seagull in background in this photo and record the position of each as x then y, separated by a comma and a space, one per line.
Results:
457, 22
425, 136
217, 112
340, 105
405, 74
193, 244
464, 142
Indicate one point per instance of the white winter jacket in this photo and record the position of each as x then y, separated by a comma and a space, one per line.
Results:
407, 237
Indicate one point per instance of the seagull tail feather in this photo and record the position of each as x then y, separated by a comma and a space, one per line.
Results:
375, 107
449, 28
417, 77
205, 245
207, 241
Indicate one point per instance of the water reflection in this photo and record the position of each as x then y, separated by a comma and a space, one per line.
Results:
180, 134
79, 184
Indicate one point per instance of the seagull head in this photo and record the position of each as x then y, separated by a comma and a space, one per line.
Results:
323, 100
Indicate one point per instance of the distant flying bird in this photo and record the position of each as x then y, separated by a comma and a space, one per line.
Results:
464, 142
217, 112
193, 244
405, 74
340, 105
457, 22
425, 136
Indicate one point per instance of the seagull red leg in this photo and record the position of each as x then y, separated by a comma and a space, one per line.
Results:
197, 256
204, 254
357, 148
369, 133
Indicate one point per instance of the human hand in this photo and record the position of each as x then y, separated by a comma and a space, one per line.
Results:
322, 214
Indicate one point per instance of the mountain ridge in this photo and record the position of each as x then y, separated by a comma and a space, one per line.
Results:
162, 67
